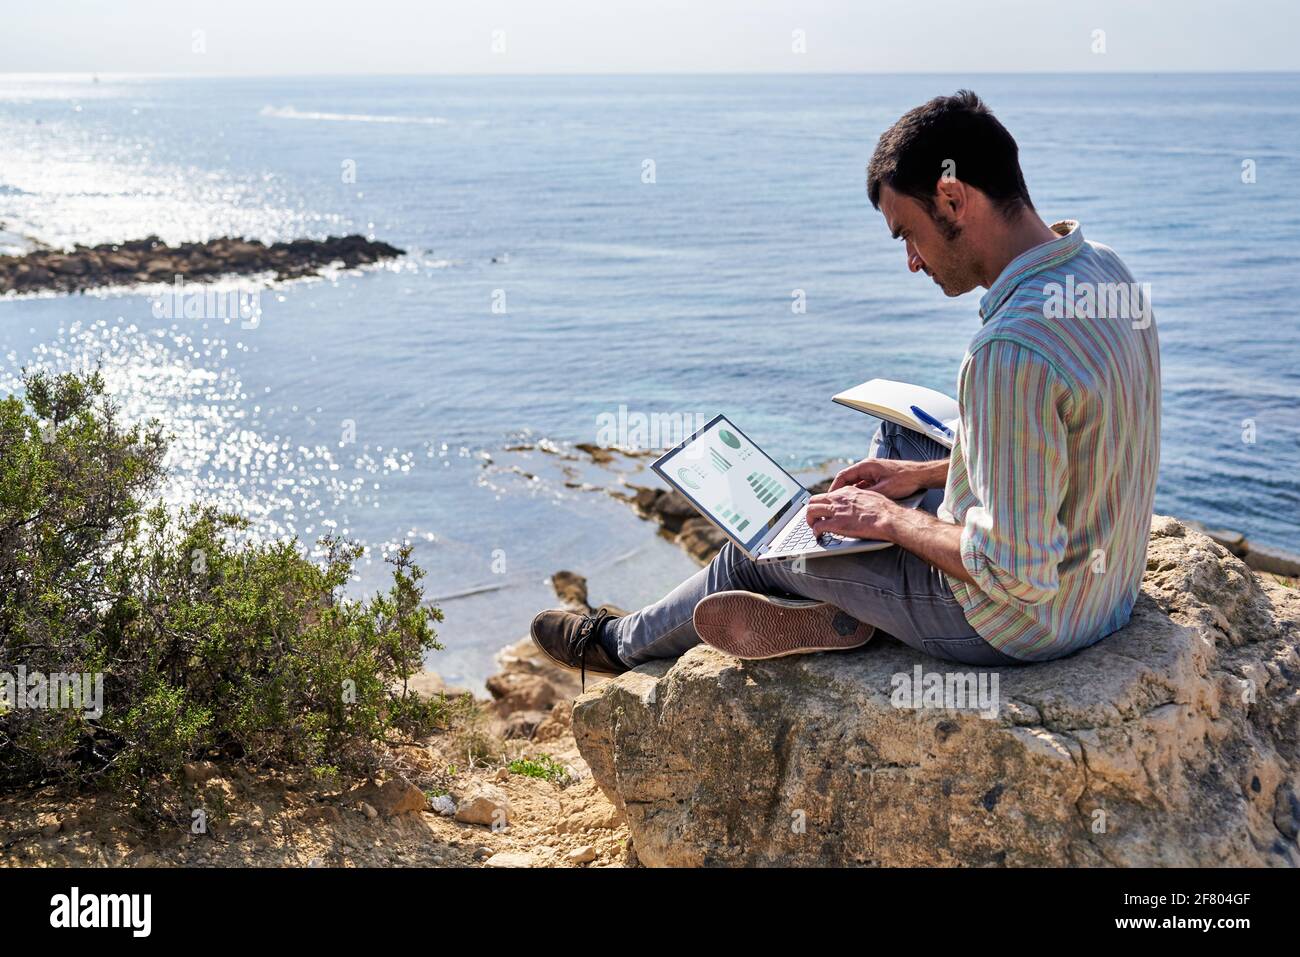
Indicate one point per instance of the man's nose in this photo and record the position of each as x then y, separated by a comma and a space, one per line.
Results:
914, 262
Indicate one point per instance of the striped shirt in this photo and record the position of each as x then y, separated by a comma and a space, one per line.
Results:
1053, 473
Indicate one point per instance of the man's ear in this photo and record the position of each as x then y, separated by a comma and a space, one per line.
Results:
952, 198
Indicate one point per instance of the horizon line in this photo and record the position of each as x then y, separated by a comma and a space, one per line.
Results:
16, 74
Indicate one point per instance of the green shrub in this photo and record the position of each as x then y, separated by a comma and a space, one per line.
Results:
202, 641
542, 766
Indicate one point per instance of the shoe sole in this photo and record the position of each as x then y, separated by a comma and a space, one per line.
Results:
753, 626
564, 664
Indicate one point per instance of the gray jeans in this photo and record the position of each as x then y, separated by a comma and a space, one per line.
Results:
892, 589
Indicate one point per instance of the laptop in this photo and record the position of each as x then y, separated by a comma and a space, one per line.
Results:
752, 500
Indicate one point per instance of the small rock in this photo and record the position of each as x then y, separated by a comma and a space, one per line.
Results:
484, 804
516, 691
581, 855
443, 804
399, 796
510, 859
482, 853
570, 587
557, 724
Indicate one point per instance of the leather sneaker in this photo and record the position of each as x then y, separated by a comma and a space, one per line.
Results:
572, 640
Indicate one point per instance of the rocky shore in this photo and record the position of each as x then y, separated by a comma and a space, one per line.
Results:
150, 260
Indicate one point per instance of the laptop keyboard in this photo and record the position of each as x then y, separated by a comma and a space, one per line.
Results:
799, 537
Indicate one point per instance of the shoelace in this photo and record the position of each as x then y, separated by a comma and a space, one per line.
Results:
587, 631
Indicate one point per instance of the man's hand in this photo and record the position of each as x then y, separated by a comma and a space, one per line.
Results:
892, 478
853, 512
861, 513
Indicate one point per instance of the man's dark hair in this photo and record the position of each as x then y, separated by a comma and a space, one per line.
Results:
956, 134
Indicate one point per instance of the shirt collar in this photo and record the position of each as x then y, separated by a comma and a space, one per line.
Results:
1044, 256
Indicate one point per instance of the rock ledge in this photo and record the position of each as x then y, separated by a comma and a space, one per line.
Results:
1175, 741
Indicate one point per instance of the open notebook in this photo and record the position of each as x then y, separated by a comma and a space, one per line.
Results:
893, 401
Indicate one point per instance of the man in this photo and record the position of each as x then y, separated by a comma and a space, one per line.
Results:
1038, 544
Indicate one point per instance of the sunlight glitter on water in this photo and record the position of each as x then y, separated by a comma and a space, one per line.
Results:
223, 447
64, 181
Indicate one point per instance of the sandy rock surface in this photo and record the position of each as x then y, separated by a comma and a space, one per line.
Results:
1175, 741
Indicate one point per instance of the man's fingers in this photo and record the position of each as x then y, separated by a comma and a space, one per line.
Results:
853, 475
820, 525
819, 512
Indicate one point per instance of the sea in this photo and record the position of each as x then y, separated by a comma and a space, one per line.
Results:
583, 247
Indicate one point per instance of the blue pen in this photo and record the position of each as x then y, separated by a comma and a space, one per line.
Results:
928, 419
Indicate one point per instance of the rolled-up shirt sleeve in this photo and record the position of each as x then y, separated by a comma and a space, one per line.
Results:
1013, 404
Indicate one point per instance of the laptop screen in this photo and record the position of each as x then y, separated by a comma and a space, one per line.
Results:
730, 479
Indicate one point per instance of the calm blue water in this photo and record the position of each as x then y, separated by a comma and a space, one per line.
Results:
672, 296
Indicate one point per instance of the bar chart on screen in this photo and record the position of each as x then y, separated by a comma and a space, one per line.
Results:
768, 490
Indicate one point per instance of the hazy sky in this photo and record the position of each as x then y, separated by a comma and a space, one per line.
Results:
646, 36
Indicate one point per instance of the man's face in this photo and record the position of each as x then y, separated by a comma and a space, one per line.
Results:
940, 249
